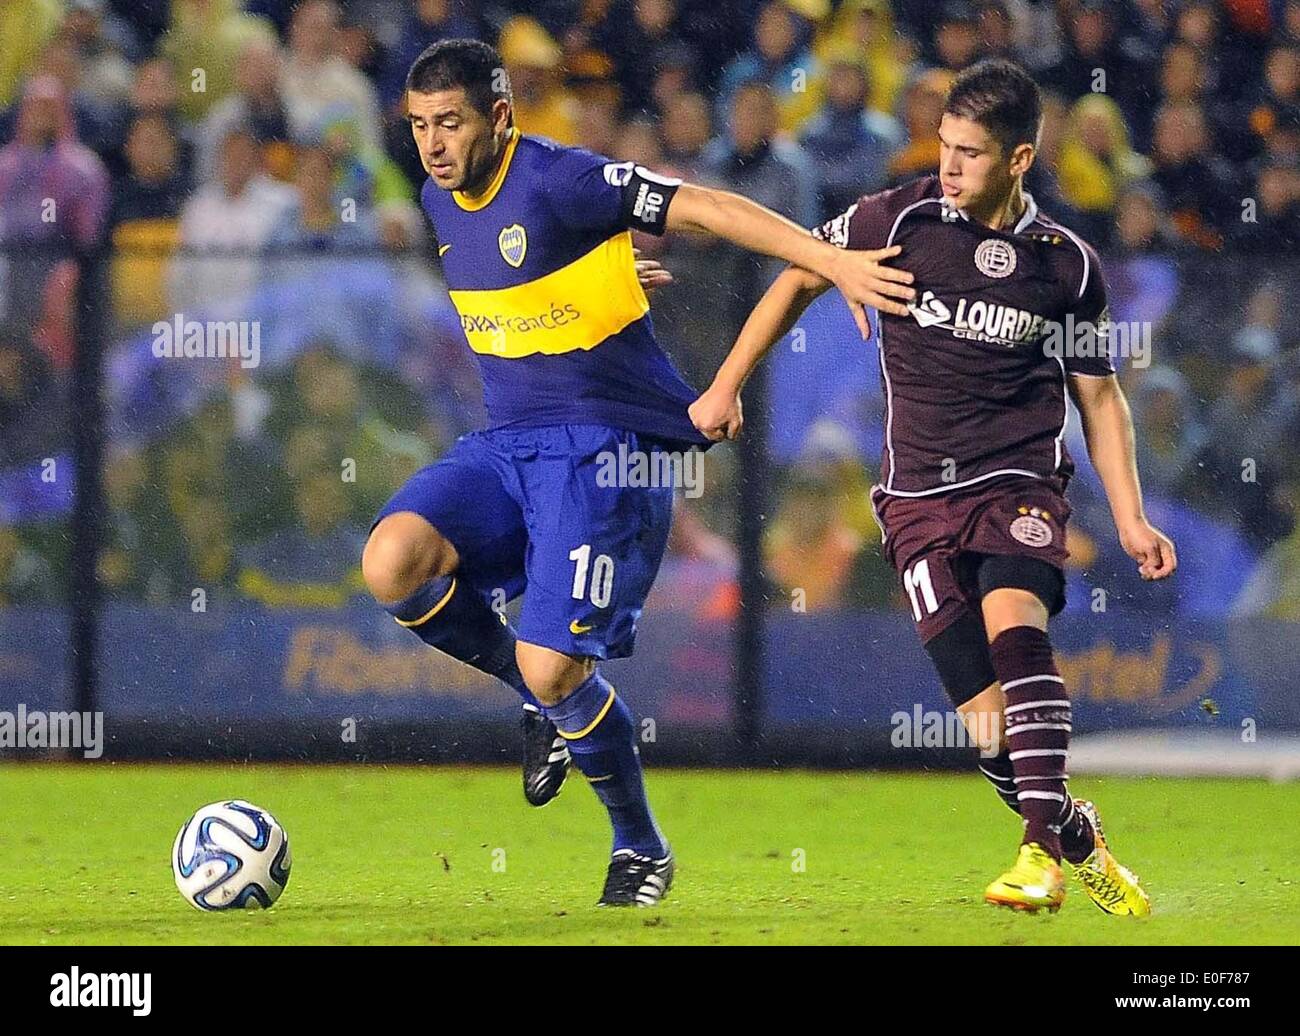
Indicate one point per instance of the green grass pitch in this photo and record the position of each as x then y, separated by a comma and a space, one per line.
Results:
455, 855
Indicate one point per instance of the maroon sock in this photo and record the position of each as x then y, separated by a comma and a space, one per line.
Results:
1077, 839
999, 773
1038, 730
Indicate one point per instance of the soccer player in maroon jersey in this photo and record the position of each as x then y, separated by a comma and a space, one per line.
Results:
1010, 313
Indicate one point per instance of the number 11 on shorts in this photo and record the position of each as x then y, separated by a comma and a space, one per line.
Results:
602, 576
918, 577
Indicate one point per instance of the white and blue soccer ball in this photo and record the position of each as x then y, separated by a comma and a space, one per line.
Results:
231, 855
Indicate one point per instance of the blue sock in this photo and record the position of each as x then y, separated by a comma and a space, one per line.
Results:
453, 617
601, 735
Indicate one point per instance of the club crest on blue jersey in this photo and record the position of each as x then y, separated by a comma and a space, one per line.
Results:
513, 242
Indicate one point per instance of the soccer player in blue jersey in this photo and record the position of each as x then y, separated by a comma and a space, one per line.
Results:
536, 251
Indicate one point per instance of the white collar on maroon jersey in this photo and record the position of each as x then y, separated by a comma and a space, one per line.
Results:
1028, 216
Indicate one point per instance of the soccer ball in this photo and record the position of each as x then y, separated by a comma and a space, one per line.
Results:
231, 854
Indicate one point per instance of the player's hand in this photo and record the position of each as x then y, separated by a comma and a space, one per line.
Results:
864, 281
1150, 548
717, 414
650, 273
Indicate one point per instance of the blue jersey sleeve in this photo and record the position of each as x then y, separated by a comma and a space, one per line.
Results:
589, 192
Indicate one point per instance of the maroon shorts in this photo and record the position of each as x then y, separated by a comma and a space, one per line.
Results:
936, 542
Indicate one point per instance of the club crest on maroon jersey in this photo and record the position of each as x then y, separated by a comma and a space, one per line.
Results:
1030, 528
995, 258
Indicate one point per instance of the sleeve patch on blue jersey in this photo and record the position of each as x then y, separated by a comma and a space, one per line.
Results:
645, 195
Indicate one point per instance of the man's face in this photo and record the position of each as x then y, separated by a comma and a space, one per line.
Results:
1196, 25
668, 83
687, 124
1180, 76
1278, 189
866, 27
456, 143
61, 60
973, 170
151, 150
41, 121
1177, 136
846, 87
238, 162
654, 17
315, 177
922, 110
1094, 131
1138, 220
1283, 73
753, 118
775, 32
1091, 31
258, 72
154, 88
432, 12
312, 32
957, 43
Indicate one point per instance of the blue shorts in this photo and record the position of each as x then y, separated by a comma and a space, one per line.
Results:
525, 512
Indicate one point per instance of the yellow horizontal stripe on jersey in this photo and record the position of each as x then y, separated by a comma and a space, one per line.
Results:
575, 307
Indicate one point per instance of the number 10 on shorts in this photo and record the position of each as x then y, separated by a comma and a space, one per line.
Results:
918, 578
602, 576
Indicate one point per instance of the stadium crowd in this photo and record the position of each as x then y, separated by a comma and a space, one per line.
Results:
251, 161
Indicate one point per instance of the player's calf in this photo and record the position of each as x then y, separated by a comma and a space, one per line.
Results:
1038, 730
601, 734
960, 654
411, 570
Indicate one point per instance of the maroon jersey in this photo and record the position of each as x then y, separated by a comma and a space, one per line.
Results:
974, 378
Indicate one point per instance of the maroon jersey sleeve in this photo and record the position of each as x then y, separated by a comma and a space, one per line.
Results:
1092, 307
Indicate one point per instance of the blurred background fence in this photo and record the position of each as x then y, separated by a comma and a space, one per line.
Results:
180, 536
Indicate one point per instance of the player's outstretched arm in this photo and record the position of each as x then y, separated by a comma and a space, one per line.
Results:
717, 413
1108, 429
859, 275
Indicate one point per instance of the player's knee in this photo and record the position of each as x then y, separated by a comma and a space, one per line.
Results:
551, 675
402, 554
1018, 591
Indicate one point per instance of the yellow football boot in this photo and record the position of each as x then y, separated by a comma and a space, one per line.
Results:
1034, 883
1109, 884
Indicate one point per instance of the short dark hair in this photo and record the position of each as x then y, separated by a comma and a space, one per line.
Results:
1001, 97
471, 65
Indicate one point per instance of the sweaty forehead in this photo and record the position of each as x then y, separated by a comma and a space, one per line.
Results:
439, 103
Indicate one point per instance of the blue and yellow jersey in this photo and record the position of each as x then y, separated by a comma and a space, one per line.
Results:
540, 269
